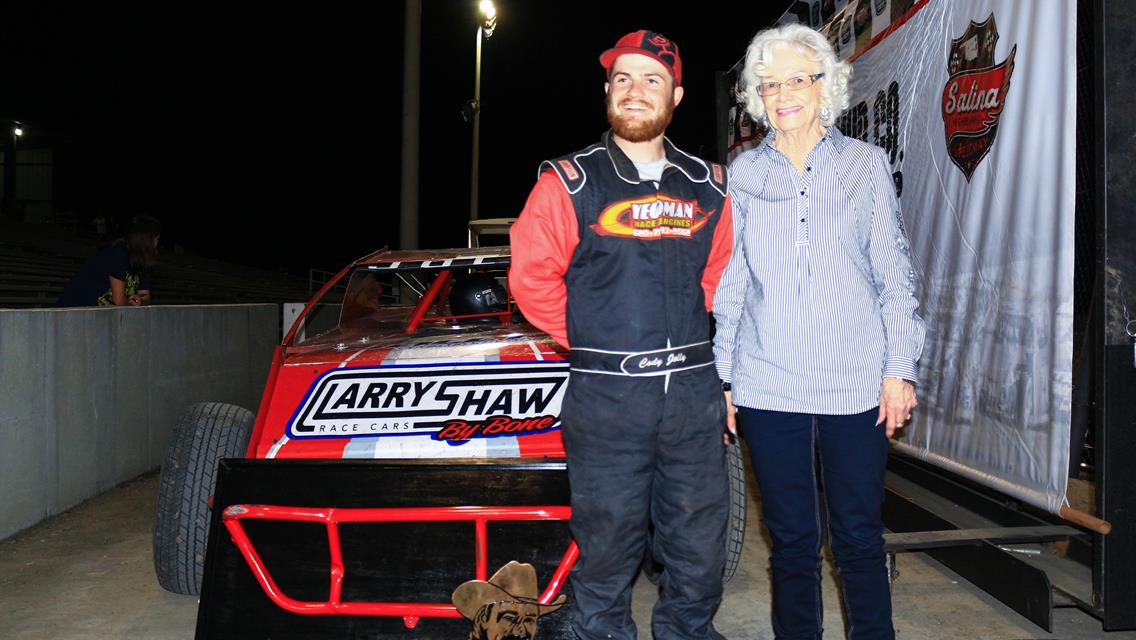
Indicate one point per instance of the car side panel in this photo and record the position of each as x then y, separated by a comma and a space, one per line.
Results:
492, 397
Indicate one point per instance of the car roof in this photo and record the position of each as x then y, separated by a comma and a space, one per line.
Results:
385, 260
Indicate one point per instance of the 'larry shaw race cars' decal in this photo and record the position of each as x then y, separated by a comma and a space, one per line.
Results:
448, 402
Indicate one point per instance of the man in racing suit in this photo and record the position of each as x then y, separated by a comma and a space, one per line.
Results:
617, 255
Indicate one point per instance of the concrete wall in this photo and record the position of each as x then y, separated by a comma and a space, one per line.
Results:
88, 397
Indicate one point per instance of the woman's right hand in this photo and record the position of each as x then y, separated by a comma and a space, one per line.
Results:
731, 418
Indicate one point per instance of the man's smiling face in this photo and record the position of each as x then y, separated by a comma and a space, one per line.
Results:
641, 97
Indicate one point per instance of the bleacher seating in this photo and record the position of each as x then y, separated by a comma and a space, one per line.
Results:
37, 261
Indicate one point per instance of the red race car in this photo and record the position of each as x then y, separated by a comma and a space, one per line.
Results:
410, 448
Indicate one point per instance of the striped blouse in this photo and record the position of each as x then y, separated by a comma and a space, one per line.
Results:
818, 301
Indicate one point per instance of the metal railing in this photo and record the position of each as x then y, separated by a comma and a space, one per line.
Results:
319, 277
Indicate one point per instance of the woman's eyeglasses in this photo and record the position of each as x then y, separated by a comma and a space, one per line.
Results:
796, 83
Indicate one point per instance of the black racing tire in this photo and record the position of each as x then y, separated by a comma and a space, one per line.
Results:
735, 529
203, 435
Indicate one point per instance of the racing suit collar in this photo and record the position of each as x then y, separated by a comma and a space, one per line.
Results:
625, 168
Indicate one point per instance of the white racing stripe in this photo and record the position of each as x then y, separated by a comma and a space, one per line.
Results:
353, 356
276, 447
536, 350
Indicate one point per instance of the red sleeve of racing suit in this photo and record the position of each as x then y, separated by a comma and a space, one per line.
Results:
721, 250
543, 240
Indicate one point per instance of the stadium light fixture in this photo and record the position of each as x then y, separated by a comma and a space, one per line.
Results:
484, 31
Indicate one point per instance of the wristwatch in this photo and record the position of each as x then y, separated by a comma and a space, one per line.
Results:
726, 386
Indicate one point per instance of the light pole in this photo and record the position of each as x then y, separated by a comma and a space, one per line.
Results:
484, 32
411, 108
8, 203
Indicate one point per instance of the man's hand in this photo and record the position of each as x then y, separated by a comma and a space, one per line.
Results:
897, 400
731, 418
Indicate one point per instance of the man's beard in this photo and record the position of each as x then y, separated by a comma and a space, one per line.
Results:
640, 130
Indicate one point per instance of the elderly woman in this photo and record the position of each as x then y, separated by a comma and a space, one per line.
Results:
818, 335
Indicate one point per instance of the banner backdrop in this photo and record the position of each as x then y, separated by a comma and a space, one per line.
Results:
975, 103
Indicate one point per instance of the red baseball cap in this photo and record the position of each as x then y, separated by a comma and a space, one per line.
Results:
650, 44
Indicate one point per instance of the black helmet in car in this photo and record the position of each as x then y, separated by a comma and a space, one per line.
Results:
477, 293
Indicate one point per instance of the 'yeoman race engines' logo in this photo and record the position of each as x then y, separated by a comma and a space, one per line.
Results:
453, 402
975, 94
652, 217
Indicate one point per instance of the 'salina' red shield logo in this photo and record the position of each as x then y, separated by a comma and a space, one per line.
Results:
975, 94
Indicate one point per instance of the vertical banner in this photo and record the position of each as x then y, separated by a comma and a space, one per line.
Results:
975, 103
741, 131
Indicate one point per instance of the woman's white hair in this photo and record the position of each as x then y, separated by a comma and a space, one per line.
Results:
808, 42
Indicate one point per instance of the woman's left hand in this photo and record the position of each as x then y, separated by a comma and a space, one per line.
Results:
897, 399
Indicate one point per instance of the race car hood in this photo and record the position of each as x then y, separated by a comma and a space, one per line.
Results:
355, 346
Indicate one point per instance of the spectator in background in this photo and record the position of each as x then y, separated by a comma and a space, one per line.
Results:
99, 224
118, 274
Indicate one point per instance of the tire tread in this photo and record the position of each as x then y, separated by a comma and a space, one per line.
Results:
203, 435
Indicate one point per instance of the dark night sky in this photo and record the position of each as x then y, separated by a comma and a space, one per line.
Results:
270, 132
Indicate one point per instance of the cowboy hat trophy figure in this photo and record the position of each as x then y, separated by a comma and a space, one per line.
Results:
505, 607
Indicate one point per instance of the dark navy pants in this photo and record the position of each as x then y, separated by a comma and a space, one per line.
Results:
638, 454
849, 454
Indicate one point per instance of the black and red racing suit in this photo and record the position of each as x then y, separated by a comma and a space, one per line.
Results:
623, 271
